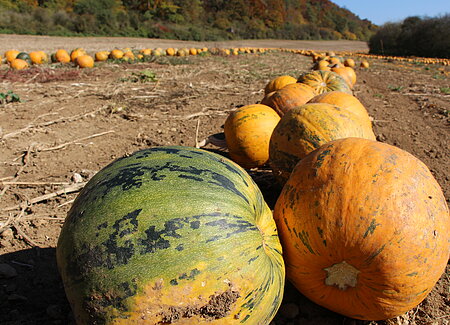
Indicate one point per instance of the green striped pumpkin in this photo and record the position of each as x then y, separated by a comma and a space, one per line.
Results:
171, 235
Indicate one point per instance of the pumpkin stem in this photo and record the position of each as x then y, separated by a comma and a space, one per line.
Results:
342, 275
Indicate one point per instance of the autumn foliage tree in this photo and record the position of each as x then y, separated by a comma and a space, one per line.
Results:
194, 19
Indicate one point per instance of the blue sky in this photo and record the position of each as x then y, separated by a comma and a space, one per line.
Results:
382, 11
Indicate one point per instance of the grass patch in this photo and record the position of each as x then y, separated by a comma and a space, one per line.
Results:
141, 76
445, 90
9, 97
395, 88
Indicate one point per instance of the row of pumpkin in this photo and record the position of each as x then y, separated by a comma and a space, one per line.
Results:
21, 60
179, 234
364, 226
82, 59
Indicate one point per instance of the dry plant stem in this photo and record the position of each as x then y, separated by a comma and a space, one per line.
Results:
25, 236
62, 119
34, 183
16, 176
70, 189
13, 220
75, 141
197, 144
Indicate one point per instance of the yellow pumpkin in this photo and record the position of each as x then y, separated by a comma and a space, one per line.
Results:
247, 133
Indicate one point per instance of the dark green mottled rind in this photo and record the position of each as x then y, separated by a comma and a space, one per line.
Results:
157, 214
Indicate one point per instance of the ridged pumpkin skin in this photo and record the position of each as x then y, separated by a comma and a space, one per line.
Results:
306, 128
290, 96
171, 234
278, 83
323, 81
364, 227
247, 133
344, 101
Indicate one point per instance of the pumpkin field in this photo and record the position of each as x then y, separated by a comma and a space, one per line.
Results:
60, 124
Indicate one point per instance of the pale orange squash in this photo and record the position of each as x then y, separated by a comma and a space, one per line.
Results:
306, 128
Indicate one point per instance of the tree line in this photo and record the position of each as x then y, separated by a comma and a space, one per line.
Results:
414, 36
200, 20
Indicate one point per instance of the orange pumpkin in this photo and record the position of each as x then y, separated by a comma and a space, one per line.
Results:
146, 51
11, 55
278, 83
345, 73
76, 53
322, 65
85, 61
44, 57
364, 64
101, 56
62, 56
128, 55
335, 60
349, 63
344, 101
19, 64
306, 128
170, 51
247, 132
36, 57
288, 97
116, 54
323, 81
364, 227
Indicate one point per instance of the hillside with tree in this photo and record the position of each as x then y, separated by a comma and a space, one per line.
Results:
200, 20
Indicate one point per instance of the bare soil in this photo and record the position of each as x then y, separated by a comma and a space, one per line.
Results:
71, 123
